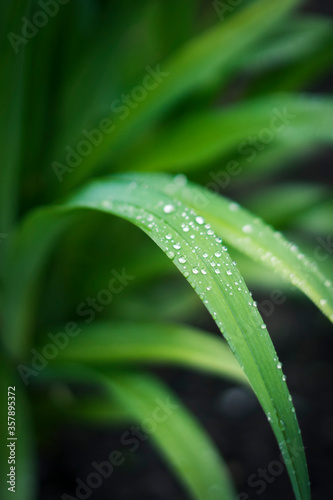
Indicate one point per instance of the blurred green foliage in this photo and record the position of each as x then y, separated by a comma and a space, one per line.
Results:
219, 92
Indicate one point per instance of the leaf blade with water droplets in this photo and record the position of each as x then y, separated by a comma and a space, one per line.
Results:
210, 270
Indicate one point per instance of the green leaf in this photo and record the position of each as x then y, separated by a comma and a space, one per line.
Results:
297, 37
251, 236
117, 343
319, 220
187, 70
129, 396
294, 120
299, 53
199, 255
12, 82
298, 199
181, 441
22, 277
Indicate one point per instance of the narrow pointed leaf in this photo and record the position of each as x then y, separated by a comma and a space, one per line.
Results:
12, 84
199, 255
202, 138
115, 343
187, 70
136, 396
181, 441
251, 236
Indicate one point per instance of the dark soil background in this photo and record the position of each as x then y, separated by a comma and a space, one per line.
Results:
229, 413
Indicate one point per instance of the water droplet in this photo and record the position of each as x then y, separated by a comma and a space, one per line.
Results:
233, 207
200, 220
218, 254
177, 246
182, 260
168, 236
247, 229
327, 283
263, 327
210, 232
279, 365
195, 270
217, 271
282, 425
106, 204
203, 271
323, 302
186, 229
229, 273
180, 179
170, 255
168, 209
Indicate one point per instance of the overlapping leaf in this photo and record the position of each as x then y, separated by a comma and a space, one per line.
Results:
110, 344
186, 71
137, 397
245, 129
251, 236
200, 256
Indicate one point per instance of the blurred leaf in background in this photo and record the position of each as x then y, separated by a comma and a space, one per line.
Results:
171, 115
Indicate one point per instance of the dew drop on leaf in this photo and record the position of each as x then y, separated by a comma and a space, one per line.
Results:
200, 220
247, 229
233, 207
168, 209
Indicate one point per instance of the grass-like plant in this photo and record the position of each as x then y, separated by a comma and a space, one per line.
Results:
98, 100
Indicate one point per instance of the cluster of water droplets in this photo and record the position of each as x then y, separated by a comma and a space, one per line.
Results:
182, 240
